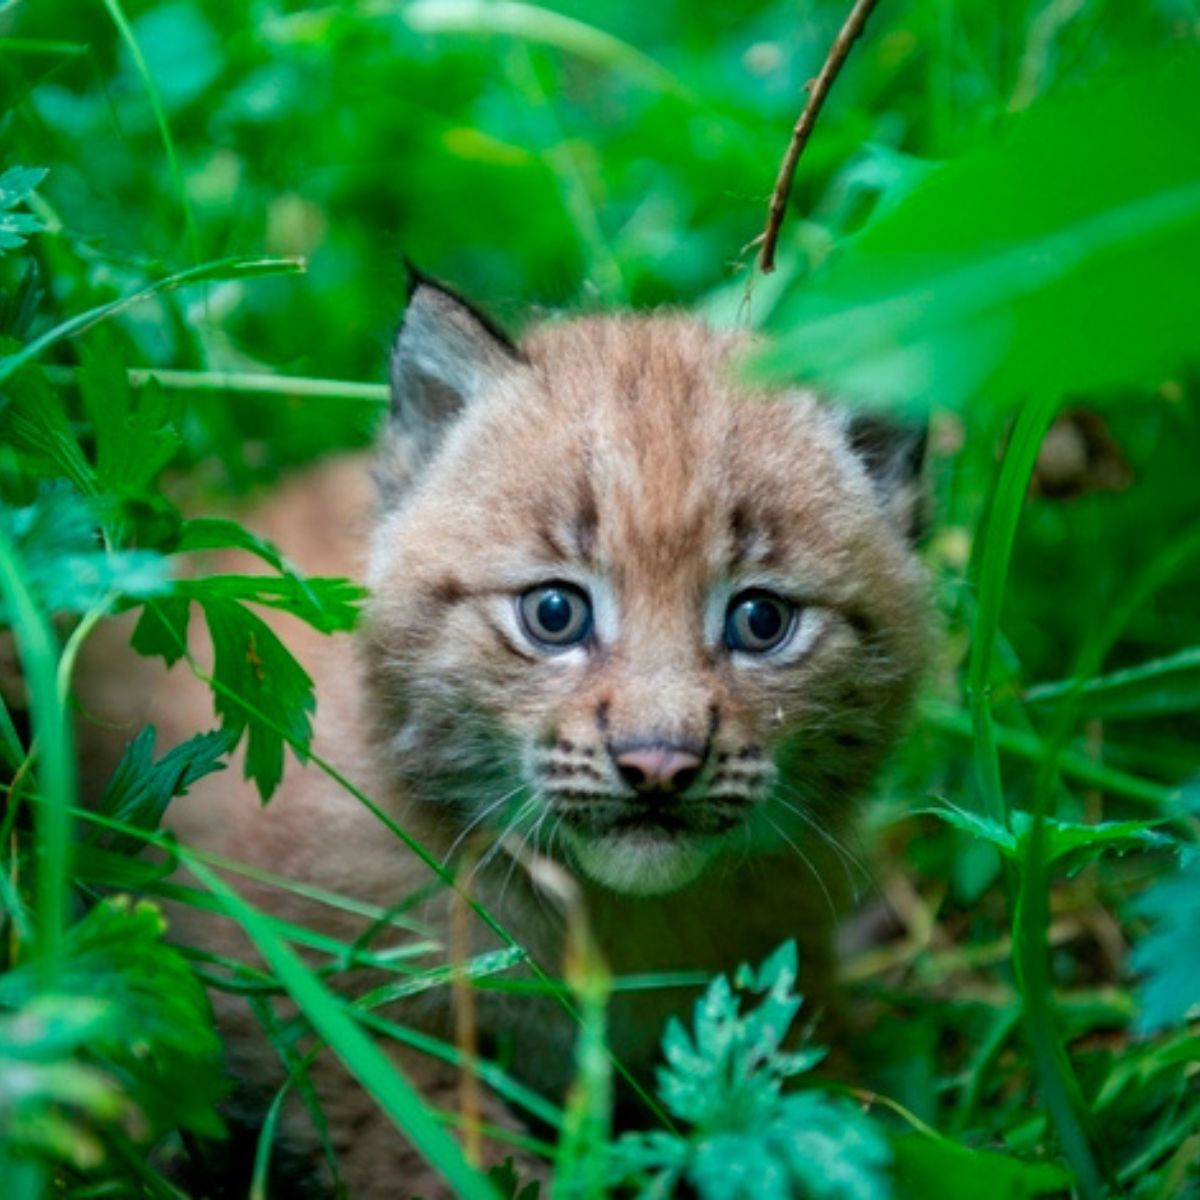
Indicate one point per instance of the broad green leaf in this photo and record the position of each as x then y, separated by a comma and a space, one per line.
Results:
931, 1168
1169, 956
16, 185
1151, 689
1043, 262
34, 421
161, 630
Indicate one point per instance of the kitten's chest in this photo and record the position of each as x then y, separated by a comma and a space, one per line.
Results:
737, 916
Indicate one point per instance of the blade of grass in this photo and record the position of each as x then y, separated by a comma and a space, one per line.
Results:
998, 536
327, 768
35, 46
480, 967
54, 736
246, 383
390, 1089
160, 119
1029, 891
1029, 746
531, 23
211, 272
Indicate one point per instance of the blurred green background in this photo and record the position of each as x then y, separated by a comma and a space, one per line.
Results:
576, 156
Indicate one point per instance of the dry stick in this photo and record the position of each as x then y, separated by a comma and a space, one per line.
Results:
818, 89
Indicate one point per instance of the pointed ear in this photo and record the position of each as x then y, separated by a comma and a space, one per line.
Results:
894, 454
445, 355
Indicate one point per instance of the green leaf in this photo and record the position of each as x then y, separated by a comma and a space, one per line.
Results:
327, 604
382, 1080
161, 630
748, 1139
253, 665
1037, 263
149, 1022
67, 568
211, 272
1062, 838
1151, 689
140, 788
135, 438
16, 185
1169, 956
934, 1168
35, 423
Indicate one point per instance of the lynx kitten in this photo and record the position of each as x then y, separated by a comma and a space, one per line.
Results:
629, 615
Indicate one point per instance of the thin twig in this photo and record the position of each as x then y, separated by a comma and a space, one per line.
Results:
818, 89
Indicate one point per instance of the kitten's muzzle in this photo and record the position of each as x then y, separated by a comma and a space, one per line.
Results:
657, 768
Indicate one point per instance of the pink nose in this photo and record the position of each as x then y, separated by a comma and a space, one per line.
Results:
657, 767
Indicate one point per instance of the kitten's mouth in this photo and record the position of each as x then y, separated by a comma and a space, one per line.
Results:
643, 851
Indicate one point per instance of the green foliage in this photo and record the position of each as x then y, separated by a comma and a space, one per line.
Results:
1156, 688
932, 1168
68, 570
1169, 956
747, 1139
140, 788
1036, 263
16, 185
1077, 843
1000, 201
121, 1046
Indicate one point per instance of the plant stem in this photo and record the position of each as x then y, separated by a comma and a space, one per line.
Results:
52, 728
1030, 892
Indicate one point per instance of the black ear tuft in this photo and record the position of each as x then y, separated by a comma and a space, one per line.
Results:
894, 454
445, 355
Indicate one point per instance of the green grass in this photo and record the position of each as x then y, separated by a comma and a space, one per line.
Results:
996, 223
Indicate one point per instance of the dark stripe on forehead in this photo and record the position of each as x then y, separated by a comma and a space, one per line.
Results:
586, 521
753, 537
448, 590
545, 535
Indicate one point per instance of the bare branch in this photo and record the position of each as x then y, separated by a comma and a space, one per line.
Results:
817, 89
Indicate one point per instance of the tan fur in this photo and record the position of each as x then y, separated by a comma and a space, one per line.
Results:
621, 452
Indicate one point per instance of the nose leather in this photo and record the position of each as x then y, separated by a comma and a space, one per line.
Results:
659, 767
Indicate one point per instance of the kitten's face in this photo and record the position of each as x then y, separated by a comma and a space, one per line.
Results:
627, 610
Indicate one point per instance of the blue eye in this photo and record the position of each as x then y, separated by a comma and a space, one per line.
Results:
556, 614
758, 622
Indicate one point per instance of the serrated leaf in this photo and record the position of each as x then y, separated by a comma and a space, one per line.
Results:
329, 605
140, 788
1062, 838
252, 664
149, 1024
135, 436
16, 185
161, 630
749, 1140
67, 568
34, 422
1169, 957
